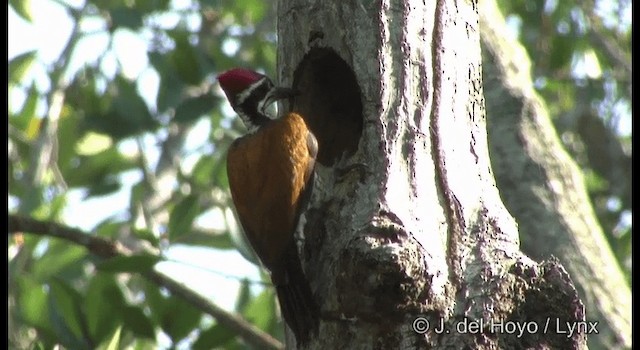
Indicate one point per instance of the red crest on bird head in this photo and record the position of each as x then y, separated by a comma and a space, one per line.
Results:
236, 80
250, 93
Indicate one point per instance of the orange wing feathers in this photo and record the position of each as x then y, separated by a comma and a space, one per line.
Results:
268, 172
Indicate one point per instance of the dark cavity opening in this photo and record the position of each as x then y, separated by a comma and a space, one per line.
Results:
330, 102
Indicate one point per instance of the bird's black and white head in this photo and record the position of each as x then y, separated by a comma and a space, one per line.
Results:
250, 93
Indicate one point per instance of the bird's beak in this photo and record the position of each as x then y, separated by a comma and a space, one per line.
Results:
278, 93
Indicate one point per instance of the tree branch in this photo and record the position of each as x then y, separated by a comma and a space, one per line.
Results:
106, 248
550, 203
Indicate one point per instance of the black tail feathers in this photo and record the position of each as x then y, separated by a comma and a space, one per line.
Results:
299, 309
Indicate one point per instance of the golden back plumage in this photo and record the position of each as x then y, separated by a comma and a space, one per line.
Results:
269, 172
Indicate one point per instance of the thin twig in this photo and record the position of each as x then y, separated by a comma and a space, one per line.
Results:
45, 153
106, 248
219, 273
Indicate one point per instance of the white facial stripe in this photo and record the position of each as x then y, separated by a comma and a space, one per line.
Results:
251, 127
261, 105
250, 114
248, 91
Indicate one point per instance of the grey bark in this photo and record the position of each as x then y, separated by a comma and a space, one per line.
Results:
406, 222
544, 189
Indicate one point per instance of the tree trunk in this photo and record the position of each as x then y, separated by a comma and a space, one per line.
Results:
407, 243
543, 188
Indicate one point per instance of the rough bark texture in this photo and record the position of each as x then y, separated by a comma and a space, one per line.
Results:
406, 225
544, 189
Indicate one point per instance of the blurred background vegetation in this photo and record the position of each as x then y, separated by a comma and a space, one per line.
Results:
126, 113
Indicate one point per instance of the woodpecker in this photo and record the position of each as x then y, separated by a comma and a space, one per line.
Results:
271, 171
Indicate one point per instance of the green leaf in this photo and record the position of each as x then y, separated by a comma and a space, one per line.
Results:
171, 88
184, 58
147, 235
137, 322
152, 5
135, 263
98, 171
126, 17
24, 119
23, 8
109, 228
126, 113
130, 109
195, 107
262, 310
68, 135
182, 216
63, 333
103, 302
19, 66
143, 344
32, 302
244, 295
561, 52
114, 342
203, 170
155, 300
179, 318
66, 301
58, 258
86, 99
214, 337
57, 206
108, 185
40, 345
34, 200
137, 197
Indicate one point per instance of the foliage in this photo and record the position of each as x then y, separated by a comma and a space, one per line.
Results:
96, 123
87, 123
